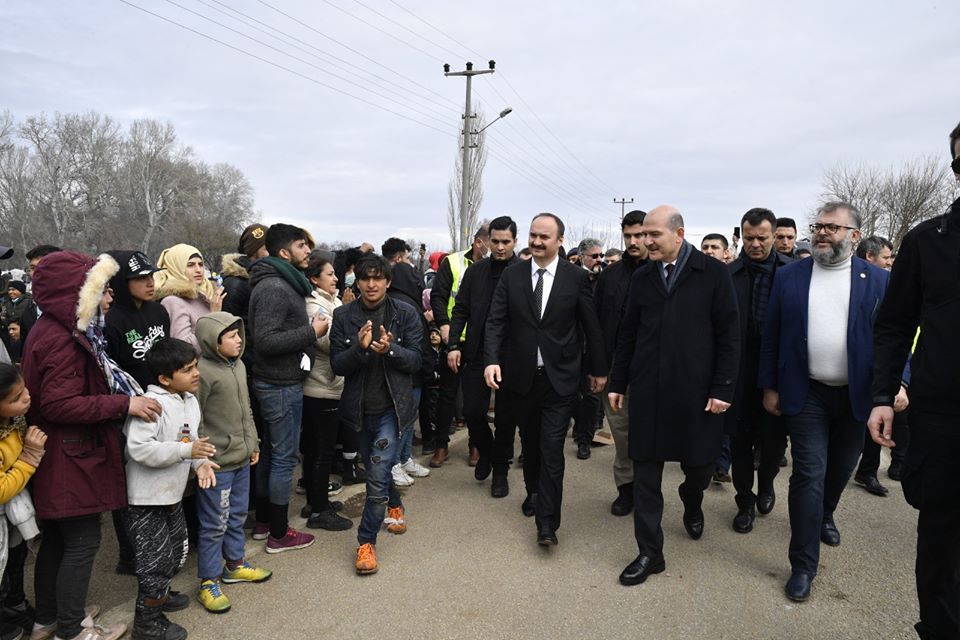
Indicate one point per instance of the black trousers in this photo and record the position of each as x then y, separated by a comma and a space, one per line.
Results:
870, 460
543, 415
62, 572
318, 443
931, 484
476, 404
159, 536
586, 414
648, 500
447, 404
756, 429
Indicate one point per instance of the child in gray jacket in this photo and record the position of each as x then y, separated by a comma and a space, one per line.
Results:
160, 455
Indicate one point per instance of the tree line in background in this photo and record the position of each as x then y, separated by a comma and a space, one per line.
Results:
82, 181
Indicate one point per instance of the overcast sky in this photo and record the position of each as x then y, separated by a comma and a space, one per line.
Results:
714, 107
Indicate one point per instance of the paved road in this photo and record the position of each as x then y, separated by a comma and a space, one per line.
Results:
468, 567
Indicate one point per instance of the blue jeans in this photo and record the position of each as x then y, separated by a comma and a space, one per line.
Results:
379, 446
406, 442
825, 443
222, 510
282, 410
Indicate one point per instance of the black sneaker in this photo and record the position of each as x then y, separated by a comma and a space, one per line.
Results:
176, 601
329, 520
334, 487
351, 473
21, 615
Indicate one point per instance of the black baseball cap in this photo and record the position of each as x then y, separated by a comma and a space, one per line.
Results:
5, 252
137, 265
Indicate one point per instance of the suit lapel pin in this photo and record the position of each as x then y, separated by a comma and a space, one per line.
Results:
863, 275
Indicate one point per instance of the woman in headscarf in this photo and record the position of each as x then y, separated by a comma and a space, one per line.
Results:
185, 291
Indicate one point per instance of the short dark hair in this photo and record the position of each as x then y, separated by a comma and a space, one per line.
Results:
758, 215
954, 136
560, 227
504, 223
392, 246
315, 266
788, 223
169, 355
281, 236
613, 252
483, 231
42, 250
716, 236
873, 244
9, 375
525, 252
633, 218
373, 266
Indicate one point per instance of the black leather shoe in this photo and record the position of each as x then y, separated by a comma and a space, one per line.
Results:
499, 487
583, 450
765, 502
529, 506
798, 586
871, 484
483, 468
547, 538
829, 534
895, 470
640, 569
624, 502
692, 518
743, 522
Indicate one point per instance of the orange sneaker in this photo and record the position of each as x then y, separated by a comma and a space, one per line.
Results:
394, 520
366, 559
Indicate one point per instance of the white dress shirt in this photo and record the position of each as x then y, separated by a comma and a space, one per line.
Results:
548, 277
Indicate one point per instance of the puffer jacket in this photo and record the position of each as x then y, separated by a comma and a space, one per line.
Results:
82, 470
401, 363
322, 381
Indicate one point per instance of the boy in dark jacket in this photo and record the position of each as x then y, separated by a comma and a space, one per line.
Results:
375, 344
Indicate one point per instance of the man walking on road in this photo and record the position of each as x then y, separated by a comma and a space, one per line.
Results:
816, 366
678, 351
540, 315
923, 292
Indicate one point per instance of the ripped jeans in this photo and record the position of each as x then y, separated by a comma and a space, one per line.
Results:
379, 446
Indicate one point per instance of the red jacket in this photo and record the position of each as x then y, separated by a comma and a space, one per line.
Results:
82, 470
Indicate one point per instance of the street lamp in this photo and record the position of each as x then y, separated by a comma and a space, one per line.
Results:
503, 114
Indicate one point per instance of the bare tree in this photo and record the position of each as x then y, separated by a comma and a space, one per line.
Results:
607, 234
894, 201
461, 230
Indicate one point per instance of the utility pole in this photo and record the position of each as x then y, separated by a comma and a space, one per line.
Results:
468, 127
623, 202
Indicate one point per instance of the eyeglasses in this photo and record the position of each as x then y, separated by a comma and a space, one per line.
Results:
955, 165
832, 229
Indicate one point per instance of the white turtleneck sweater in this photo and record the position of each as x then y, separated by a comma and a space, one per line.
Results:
829, 308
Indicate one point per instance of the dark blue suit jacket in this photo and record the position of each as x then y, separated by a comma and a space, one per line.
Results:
783, 348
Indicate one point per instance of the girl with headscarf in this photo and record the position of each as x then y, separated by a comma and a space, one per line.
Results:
185, 291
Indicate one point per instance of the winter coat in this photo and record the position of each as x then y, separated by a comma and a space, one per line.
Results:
14, 472
610, 298
82, 470
322, 381
676, 349
185, 306
224, 396
281, 330
401, 363
159, 453
235, 270
131, 331
473, 304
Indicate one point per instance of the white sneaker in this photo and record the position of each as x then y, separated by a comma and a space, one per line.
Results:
413, 468
400, 478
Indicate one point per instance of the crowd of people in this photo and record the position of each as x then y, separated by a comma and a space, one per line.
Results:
182, 398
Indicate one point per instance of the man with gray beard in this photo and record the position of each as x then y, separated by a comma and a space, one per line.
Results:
816, 370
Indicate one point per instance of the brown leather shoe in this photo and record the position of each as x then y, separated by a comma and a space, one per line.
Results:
474, 456
439, 457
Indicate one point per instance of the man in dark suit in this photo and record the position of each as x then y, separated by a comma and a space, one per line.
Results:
816, 368
750, 426
678, 350
542, 312
465, 356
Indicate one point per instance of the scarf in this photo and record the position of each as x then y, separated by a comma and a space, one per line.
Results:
681, 262
761, 280
118, 380
19, 423
291, 274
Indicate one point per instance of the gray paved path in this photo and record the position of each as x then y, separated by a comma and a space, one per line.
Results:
468, 567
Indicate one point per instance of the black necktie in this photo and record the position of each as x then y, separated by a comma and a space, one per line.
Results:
538, 292
668, 268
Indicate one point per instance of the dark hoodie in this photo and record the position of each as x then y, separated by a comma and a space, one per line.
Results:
130, 332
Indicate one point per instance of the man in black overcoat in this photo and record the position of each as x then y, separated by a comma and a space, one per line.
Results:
678, 350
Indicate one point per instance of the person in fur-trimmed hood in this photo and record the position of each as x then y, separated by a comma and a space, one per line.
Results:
80, 397
185, 292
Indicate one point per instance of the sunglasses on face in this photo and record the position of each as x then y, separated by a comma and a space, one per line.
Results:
595, 256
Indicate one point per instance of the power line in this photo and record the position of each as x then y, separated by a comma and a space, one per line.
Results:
383, 31
306, 62
323, 52
402, 26
441, 32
